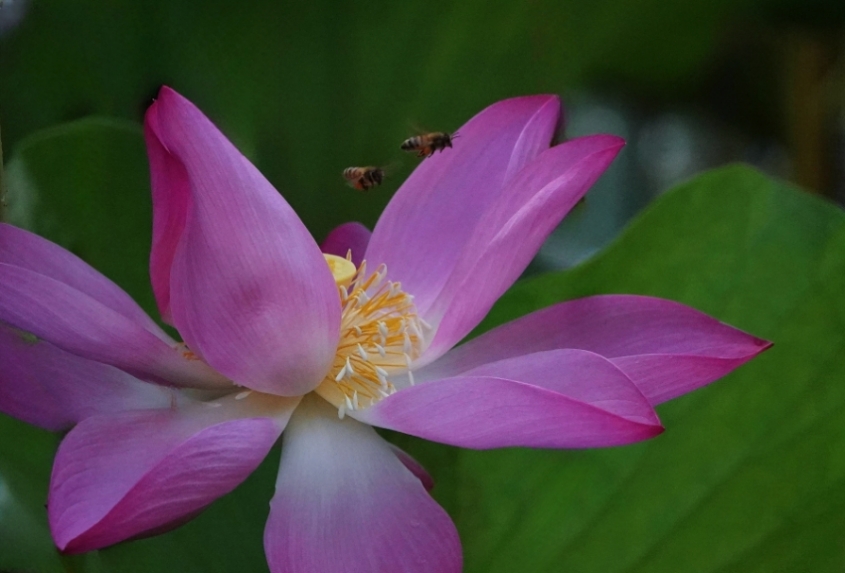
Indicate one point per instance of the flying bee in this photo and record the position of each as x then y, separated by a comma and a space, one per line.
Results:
363, 178
426, 144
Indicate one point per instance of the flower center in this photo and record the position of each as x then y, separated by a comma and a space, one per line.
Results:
380, 337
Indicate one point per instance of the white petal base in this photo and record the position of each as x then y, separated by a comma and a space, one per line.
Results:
344, 503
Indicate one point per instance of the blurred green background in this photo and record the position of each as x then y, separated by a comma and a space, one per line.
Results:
750, 475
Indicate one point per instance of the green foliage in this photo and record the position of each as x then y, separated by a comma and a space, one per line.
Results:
25, 457
749, 476
86, 186
308, 88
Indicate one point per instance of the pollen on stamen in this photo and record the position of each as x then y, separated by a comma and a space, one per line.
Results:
381, 336
186, 352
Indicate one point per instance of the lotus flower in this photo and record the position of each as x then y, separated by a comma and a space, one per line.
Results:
280, 337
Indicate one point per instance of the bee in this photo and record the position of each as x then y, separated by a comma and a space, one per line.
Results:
363, 178
427, 143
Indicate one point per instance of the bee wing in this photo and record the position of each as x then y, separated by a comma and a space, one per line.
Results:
417, 129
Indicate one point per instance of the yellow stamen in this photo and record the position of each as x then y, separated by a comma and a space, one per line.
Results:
343, 270
380, 337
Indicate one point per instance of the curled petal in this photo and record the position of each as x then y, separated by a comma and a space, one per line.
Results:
139, 473
414, 467
29, 251
512, 231
171, 190
344, 503
430, 219
232, 264
75, 322
47, 387
348, 238
665, 347
556, 399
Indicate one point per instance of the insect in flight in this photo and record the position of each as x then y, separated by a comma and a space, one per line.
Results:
426, 144
363, 178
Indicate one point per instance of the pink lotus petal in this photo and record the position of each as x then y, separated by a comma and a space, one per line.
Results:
512, 231
345, 504
171, 191
577, 374
556, 399
53, 389
76, 323
414, 467
424, 229
137, 473
244, 282
666, 348
27, 250
349, 237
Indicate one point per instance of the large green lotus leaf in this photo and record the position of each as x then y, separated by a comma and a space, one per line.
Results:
750, 473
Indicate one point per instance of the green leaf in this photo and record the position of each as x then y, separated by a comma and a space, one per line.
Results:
750, 474
85, 185
25, 457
